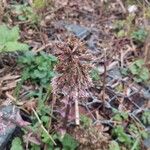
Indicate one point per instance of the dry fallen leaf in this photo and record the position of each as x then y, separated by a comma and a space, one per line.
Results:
29, 105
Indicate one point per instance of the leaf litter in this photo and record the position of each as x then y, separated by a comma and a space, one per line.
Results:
73, 93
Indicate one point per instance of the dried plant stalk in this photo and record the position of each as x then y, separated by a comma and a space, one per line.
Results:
1, 10
147, 51
73, 80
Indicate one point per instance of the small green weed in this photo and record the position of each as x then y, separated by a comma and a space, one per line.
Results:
9, 40
146, 117
120, 116
65, 143
119, 27
38, 68
136, 132
39, 4
95, 74
139, 72
139, 35
114, 146
68, 142
130, 140
25, 13
35, 147
121, 136
147, 12
125, 27
16, 144
119, 87
85, 121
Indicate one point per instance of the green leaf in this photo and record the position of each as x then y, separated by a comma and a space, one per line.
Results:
122, 137
133, 129
7, 34
1, 48
39, 4
22, 18
144, 134
69, 143
53, 58
146, 117
15, 46
124, 115
95, 74
45, 119
140, 72
35, 147
16, 144
27, 58
136, 144
114, 146
139, 63
121, 33
51, 74
124, 71
9, 39
117, 117
17, 9
137, 79
139, 35
25, 12
45, 137
86, 121
39, 74
39, 67
13, 34
133, 69
144, 74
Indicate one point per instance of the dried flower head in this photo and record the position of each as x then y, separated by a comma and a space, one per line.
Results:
73, 80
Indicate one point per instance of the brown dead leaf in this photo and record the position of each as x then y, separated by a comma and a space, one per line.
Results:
9, 86
9, 77
60, 3
31, 138
29, 105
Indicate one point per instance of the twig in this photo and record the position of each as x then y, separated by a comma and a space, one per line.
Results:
122, 6
51, 43
104, 82
107, 122
43, 47
77, 117
147, 2
51, 114
136, 120
40, 122
10, 97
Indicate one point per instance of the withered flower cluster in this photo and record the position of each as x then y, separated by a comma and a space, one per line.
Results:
73, 80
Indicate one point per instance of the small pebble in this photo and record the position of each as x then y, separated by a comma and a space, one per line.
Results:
132, 9
30, 32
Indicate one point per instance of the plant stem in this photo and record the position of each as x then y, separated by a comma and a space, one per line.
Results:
35, 113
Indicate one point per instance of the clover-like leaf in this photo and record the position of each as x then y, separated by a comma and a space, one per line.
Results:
9, 39
16, 144
114, 146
